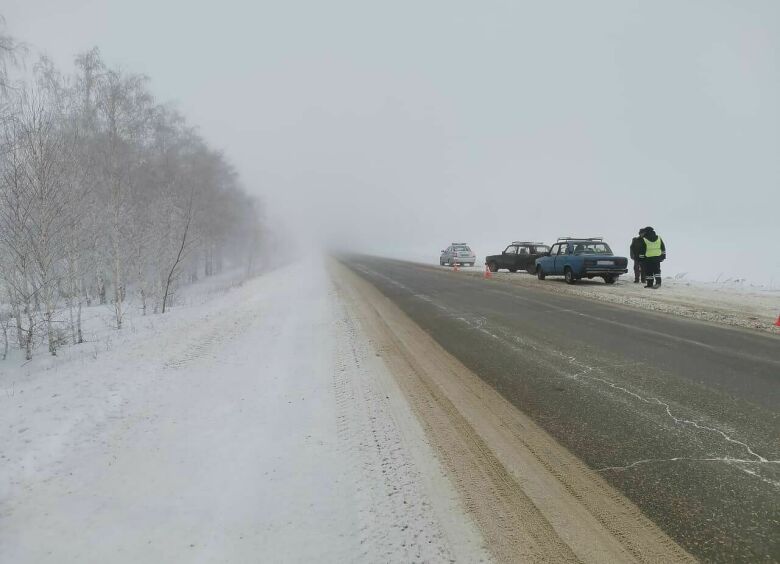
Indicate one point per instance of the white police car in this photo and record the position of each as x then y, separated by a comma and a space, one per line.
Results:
457, 253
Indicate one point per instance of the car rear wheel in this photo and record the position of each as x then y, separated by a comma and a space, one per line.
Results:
540, 273
512, 270
610, 279
569, 275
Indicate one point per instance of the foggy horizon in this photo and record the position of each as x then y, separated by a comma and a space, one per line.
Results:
399, 129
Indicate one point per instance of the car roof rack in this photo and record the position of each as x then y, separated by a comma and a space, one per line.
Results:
580, 239
460, 244
527, 243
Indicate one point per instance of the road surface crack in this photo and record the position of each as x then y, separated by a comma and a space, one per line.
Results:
727, 460
585, 373
656, 401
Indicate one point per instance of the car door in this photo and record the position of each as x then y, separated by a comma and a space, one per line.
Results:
562, 258
523, 257
509, 256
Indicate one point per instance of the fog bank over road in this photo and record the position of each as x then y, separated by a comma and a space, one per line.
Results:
388, 127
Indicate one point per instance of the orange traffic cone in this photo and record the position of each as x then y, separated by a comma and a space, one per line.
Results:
488, 275
455, 267
777, 323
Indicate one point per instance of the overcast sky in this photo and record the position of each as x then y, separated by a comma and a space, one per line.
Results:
399, 127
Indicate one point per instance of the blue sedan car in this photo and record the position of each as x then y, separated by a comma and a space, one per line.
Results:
581, 258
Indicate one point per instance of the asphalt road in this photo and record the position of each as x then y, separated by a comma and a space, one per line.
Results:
680, 415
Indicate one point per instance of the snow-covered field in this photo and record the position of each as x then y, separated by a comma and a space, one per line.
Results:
253, 424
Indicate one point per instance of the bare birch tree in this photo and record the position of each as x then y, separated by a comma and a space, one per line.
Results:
103, 191
11, 54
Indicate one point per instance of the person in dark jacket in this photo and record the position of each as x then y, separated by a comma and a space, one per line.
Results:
635, 245
652, 251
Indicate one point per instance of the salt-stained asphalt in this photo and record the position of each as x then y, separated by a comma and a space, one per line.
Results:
681, 416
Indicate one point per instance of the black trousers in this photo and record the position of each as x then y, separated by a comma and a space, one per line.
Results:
651, 267
638, 274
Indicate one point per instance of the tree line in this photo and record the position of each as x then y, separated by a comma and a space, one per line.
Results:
106, 197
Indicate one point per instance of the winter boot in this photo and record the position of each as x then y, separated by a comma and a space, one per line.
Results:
649, 282
657, 282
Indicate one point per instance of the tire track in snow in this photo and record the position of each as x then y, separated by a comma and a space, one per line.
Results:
398, 522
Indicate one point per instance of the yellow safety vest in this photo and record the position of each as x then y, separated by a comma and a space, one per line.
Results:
653, 248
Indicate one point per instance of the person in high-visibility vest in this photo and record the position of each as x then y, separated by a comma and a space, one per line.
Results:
652, 250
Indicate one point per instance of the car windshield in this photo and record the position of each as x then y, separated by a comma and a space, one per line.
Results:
461, 248
585, 248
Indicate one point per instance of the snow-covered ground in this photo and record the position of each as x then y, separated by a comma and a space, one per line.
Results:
253, 424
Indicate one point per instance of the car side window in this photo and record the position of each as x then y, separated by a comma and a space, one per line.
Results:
554, 250
511, 250
523, 251
564, 250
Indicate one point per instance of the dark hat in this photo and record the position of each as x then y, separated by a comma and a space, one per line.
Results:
648, 229
642, 231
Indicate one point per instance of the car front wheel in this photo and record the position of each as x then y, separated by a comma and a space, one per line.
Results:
569, 275
540, 273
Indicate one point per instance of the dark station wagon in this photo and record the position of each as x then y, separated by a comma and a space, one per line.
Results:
575, 259
519, 255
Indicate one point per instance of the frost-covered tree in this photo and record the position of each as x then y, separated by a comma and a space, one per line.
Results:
11, 54
106, 197
15, 227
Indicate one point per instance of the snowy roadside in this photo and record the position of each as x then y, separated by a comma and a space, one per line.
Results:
258, 426
730, 304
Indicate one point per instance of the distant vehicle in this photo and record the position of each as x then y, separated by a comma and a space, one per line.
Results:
575, 258
519, 255
457, 253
